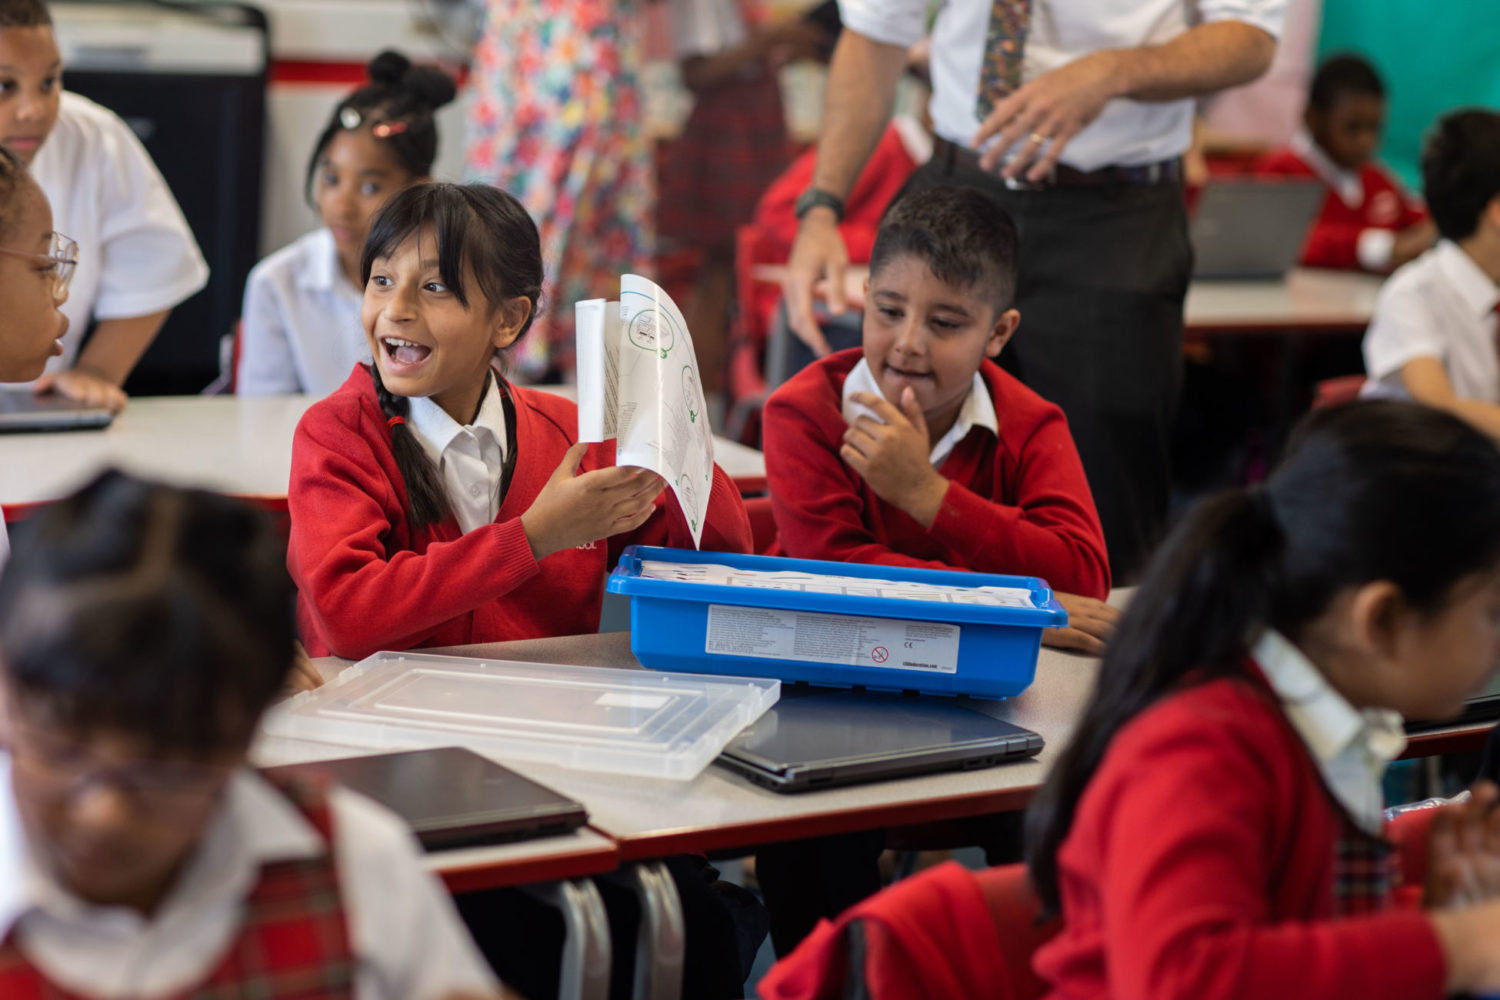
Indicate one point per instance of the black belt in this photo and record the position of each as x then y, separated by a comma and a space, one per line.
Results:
953, 156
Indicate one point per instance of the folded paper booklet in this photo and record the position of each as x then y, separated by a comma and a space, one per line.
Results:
638, 383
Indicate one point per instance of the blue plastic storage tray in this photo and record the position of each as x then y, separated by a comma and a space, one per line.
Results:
836, 638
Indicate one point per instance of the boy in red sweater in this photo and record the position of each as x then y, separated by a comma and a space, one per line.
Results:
916, 449
1367, 221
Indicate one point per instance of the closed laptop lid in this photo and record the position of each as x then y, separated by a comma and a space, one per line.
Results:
451, 796
24, 410
1252, 228
867, 730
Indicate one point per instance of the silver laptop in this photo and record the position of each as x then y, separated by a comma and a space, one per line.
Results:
825, 739
22, 410
1252, 228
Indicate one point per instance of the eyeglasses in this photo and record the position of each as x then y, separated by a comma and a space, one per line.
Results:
153, 785
62, 255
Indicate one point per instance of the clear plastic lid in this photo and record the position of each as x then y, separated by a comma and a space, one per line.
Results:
640, 722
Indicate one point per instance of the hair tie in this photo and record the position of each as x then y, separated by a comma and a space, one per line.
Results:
395, 422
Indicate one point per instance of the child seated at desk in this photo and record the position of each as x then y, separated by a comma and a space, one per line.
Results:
1215, 826
36, 265
300, 331
139, 259
143, 630
433, 503
1367, 221
1432, 338
916, 449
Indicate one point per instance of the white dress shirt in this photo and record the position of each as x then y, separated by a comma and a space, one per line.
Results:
1441, 306
136, 254
1374, 247
406, 936
1126, 132
470, 457
978, 409
4, 544
300, 330
1351, 746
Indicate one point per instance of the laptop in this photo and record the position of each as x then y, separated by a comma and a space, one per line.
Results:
23, 410
1247, 228
827, 739
451, 797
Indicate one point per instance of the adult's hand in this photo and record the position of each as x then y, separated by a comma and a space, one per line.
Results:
818, 254
1037, 121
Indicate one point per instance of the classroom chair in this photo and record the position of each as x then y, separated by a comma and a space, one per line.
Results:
947, 932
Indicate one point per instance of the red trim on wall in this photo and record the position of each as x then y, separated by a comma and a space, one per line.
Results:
334, 74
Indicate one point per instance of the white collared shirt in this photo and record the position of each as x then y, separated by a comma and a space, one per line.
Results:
978, 409
136, 254
300, 331
406, 935
1374, 246
1061, 31
1441, 305
469, 457
1350, 746
4, 544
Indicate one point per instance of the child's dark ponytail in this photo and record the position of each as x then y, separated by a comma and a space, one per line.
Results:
426, 498
1371, 491
486, 244
397, 106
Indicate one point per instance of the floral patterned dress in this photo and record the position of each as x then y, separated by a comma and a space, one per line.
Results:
556, 118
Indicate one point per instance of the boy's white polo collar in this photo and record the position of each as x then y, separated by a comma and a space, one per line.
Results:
1477, 289
1350, 746
1346, 183
254, 825
978, 409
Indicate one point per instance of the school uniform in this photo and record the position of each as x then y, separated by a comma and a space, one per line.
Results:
283, 889
1441, 305
1364, 210
300, 330
136, 254
369, 580
1017, 500
1230, 844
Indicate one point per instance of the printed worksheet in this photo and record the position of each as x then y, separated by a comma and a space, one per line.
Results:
638, 383
825, 583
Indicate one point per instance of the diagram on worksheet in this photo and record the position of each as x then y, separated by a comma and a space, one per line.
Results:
638, 383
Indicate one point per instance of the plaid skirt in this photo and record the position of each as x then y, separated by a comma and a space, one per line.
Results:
733, 145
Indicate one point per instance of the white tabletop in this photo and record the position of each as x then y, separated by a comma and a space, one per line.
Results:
229, 444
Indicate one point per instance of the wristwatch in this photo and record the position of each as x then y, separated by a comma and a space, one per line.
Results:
818, 198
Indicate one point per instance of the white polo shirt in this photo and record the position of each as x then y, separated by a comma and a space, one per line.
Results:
469, 457
978, 410
300, 330
1441, 306
1126, 132
406, 936
136, 254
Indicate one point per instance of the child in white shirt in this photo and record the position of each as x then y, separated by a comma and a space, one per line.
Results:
1435, 335
301, 331
139, 257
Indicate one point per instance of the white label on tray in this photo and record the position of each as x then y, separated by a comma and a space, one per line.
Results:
631, 699
828, 583
846, 640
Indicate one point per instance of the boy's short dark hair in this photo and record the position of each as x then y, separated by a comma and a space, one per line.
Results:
962, 234
150, 610
1342, 75
1461, 170
24, 14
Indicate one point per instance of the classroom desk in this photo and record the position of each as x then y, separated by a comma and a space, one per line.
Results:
237, 445
1308, 300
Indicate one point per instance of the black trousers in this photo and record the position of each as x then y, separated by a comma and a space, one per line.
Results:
1103, 274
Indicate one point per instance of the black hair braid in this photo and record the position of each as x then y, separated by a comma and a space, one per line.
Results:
427, 502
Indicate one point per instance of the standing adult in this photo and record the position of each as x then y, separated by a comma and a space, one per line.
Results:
1082, 110
557, 120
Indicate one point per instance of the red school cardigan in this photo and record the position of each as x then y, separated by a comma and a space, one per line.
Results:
1200, 865
1018, 505
368, 580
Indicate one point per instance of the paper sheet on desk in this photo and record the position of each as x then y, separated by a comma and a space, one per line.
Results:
638, 383
819, 583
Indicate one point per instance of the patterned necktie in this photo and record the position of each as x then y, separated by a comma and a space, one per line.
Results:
1004, 46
